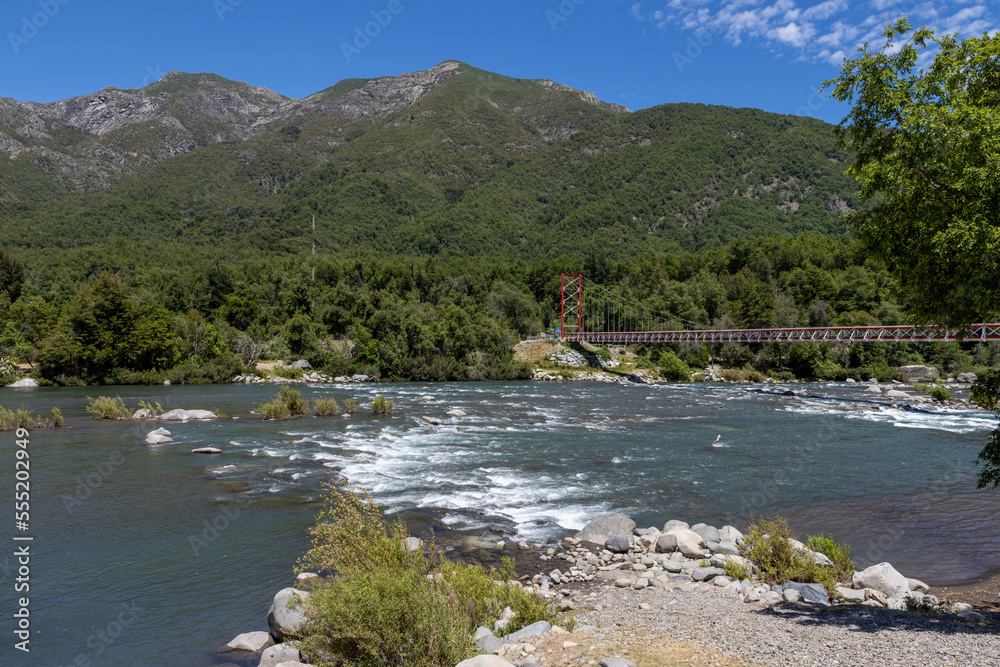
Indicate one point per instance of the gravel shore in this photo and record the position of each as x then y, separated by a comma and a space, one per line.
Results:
786, 634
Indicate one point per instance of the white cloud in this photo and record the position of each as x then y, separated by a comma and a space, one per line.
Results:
821, 31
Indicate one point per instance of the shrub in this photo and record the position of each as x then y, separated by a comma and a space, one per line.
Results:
604, 354
940, 394
287, 404
736, 572
840, 554
733, 375
767, 544
105, 407
674, 369
326, 407
57, 418
288, 373
351, 406
10, 420
388, 606
381, 405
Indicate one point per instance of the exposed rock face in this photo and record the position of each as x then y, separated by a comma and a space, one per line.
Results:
287, 615
89, 142
918, 373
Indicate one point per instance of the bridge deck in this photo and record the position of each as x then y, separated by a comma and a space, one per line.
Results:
895, 333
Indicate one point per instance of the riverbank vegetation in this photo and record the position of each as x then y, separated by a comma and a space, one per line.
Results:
394, 602
429, 319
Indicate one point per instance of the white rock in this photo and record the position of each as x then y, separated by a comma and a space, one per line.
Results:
201, 414
433, 421
917, 586
278, 654
286, 615
152, 439
175, 415
159, 431
24, 383
206, 450
456, 413
884, 578
251, 641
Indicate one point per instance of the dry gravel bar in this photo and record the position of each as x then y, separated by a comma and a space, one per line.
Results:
791, 633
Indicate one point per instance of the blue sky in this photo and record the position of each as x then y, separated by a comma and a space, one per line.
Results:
769, 54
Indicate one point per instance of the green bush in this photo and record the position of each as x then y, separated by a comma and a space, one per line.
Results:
105, 407
673, 368
351, 406
604, 354
381, 405
288, 373
940, 394
767, 545
388, 606
57, 417
840, 554
10, 420
325, 407
287, 404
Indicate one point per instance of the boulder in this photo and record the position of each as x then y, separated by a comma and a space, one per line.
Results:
708, 533
917, 586
684, 540
731, 534
486, 640
201, 414
305, 576
142, 413
618, 544
412, 544
615, 662
791, 595
206, 450
534, 630
721, 560
918, 373
674, 523
251, 641
286, 615
883, 578
874, 389
159, 431
301, 365
279, 653
427, 397
895, 393
485, 661
155, 439
814, 593
361, 378
967, 378
433, 421
24, 383
706, 573
175, 415
606, 526
456, 413
851, 595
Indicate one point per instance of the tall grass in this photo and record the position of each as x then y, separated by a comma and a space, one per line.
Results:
105, 407
381, 405
14, 419
325, 407
287, 404
388, 606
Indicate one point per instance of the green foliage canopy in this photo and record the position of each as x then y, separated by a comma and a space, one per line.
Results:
926, 143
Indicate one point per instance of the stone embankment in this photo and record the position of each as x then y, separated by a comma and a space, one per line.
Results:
301, 366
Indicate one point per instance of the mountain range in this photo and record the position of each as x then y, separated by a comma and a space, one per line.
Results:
451, 161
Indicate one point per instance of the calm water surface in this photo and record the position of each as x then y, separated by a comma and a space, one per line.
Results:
153, 555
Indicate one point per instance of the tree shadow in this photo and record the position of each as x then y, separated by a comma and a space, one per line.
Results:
861, 618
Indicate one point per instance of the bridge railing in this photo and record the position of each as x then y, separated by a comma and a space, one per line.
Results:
894, 333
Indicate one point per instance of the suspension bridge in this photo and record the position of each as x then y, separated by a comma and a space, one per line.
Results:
594, 314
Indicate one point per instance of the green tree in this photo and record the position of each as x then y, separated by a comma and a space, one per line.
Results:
985, 392
674, 369
925, 142
11, 274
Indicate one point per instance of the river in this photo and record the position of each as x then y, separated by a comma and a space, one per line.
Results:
153, 555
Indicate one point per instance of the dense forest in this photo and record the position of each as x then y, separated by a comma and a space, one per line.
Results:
129, 254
